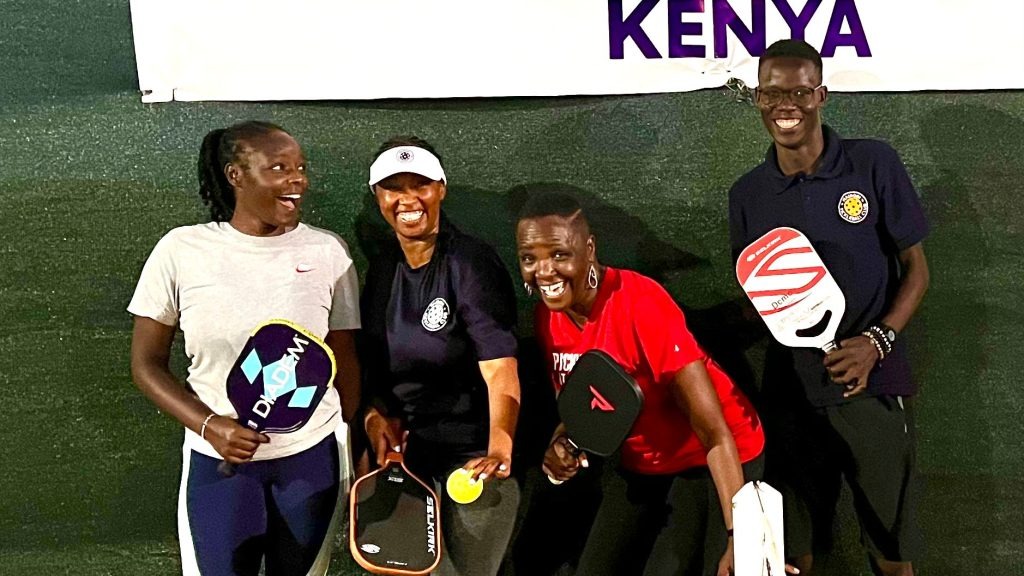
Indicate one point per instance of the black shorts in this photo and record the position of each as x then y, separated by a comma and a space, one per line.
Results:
869, 442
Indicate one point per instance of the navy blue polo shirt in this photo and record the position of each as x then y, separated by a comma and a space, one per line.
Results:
859, 210
425, 330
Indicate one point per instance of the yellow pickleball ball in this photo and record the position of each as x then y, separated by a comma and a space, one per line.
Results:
459, 488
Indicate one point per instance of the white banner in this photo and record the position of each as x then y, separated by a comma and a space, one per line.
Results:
367, 49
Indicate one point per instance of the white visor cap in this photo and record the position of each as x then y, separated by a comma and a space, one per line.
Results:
406, 159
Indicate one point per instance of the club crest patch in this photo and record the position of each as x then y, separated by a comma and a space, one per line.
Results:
436, 315
853, 207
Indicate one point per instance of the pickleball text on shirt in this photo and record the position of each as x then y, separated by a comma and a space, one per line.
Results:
561, 364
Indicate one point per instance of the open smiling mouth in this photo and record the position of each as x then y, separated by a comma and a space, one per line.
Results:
552, 290
787, 123
408, 217
290, 200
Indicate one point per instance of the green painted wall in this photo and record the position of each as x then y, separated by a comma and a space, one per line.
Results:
90, 178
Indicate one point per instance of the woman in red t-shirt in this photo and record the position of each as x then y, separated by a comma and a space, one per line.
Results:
697, 438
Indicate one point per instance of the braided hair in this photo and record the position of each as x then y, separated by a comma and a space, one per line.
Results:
221, 147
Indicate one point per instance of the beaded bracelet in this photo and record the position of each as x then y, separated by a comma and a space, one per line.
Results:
880, 333
874, 340
202, 429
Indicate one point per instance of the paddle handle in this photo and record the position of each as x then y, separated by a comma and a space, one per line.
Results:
573, 447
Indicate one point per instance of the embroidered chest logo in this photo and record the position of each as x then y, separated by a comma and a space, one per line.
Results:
853, 207
436, 315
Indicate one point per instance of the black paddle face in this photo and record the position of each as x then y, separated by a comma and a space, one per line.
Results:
279, 378
395, 522
599, 403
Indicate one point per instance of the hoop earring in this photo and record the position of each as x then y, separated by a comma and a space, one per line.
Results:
592, 277
528, 288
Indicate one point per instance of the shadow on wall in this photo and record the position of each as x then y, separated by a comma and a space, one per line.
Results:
974, 252
623, 240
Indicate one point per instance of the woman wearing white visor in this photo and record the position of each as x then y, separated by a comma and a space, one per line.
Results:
439, 353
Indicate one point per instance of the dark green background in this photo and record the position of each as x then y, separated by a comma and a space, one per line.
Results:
90, 178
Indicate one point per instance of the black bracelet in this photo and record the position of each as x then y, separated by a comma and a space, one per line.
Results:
728, 531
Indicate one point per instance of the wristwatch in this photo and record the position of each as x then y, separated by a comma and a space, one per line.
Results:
888, 332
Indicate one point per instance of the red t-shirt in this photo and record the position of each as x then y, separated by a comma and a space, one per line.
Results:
636, 322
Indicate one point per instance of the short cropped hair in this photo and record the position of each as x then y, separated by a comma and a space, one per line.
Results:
555, 200
790, 48
550, 202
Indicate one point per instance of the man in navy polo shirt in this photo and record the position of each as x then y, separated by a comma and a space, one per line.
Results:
845, 414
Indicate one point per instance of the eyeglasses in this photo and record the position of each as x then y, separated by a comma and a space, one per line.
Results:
768, 97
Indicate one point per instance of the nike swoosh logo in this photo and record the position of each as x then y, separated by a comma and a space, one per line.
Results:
303, 268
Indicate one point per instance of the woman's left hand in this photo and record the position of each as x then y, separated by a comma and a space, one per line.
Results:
489, 466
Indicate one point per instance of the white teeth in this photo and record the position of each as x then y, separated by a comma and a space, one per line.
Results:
292, 196
786, 123
410, 216
553, 290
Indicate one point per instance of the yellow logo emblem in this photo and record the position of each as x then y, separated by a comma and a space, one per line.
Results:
853, 207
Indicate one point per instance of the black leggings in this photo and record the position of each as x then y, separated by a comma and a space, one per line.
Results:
659, 525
